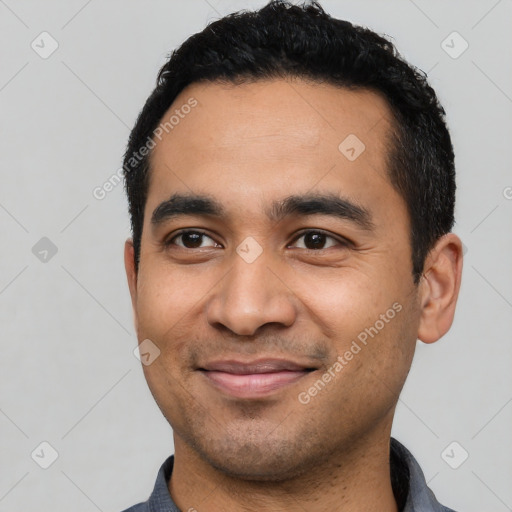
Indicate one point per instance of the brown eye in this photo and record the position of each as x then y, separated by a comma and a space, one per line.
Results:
192, 240
314, 240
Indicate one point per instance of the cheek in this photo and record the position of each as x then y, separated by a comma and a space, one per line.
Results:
170, 305
165, 304
345, 300
367, 322
374, 355
165, 297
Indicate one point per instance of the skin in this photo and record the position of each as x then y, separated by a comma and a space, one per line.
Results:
248, 146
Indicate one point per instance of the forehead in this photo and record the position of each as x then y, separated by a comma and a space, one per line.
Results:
272, 137
315, 115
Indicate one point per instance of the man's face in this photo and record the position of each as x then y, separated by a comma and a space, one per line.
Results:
281, 280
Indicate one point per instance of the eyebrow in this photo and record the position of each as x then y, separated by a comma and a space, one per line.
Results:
299, 205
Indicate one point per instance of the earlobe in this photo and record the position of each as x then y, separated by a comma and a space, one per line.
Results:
439, 288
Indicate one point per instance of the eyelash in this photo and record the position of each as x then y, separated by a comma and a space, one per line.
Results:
340, 241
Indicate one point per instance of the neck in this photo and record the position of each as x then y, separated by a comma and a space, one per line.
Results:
353, 479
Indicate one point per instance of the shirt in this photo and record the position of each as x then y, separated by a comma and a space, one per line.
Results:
407, 479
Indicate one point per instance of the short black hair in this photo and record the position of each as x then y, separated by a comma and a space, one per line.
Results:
283, 40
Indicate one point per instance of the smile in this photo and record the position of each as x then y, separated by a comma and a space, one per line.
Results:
253, 380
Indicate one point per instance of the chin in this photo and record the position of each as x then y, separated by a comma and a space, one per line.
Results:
269, 470
256, 459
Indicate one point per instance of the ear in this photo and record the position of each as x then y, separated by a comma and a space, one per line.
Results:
439, 288
131, 275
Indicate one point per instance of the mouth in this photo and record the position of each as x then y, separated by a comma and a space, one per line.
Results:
255, 379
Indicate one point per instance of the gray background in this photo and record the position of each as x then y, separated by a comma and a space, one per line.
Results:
68, 373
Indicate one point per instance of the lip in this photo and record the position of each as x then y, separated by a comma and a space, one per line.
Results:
254, 379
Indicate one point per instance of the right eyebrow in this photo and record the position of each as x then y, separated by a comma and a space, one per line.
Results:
179, 204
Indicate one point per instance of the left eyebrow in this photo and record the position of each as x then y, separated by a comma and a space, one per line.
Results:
323, 204
298, 205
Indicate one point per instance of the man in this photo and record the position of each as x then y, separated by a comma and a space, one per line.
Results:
291, 188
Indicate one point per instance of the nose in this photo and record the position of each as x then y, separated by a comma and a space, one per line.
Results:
250, 296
